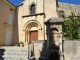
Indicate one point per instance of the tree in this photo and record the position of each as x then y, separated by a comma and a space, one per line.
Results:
71, 27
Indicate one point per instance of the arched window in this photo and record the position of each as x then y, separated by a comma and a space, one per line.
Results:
32, 9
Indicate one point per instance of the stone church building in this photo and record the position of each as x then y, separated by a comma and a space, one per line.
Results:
26, 21
33, 13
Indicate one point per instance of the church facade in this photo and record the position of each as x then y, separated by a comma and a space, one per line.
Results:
29, 17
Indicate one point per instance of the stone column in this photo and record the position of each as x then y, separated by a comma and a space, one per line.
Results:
60, 47
26, 37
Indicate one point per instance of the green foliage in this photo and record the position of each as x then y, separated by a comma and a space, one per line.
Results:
71, 27
21, 42
18, 44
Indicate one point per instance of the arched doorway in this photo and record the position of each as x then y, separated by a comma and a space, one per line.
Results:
33, 31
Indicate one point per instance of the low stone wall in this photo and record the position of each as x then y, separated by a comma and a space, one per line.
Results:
39, 48
71, 50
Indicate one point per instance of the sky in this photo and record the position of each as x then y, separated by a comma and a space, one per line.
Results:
16, 2
71, 1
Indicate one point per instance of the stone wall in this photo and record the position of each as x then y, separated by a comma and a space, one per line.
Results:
71, 50
68, 8
39, 48
5, 22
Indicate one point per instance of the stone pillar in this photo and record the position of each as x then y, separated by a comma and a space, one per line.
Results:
26, 37
60, 47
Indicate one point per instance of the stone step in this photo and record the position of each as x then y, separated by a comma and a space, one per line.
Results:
14, 50
14, 53
13, 56
13, 59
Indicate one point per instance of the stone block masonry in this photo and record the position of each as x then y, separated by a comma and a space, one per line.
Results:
68, 8
71, 50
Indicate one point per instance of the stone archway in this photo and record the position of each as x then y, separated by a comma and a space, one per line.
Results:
55, 31
32, 29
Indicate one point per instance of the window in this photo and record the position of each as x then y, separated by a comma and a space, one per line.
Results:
11, 9
32, 9
10, 19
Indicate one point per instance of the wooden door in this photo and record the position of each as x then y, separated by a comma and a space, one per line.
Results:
33, 35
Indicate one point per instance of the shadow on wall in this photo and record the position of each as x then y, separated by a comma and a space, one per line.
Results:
51, 53
43, 50
16, 34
